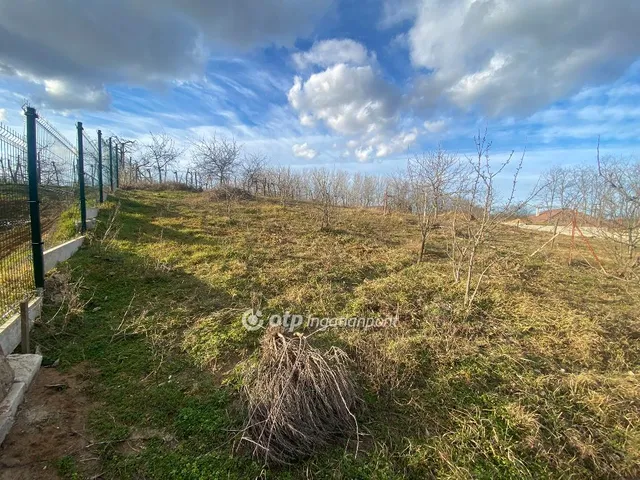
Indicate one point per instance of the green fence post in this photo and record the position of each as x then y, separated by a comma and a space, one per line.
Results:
122, 156
111, 164
101, 196
34, 201
117, 164
83, 200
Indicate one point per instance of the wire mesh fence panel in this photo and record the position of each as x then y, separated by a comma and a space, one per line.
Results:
106, 169
16, 277
145, 177
91, 168
59, 189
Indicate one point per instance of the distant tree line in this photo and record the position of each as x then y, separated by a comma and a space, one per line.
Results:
605, 197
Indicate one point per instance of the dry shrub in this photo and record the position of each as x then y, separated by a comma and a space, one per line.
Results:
229, 193
60, 290
300, 399
160, 187
111, 228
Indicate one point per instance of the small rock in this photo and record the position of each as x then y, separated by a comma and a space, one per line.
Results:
58, 386
50, 363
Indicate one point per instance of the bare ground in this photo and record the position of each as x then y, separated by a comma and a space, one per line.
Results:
51, 424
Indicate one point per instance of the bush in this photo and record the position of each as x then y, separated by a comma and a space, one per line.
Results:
159, 187
223, 193
300, 399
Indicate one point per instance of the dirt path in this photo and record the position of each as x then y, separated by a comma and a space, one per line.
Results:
562, 229
51, 424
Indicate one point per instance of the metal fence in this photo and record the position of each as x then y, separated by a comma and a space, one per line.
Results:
58, 186
46, 183
92, 168
134, 175
16, 278
107, 180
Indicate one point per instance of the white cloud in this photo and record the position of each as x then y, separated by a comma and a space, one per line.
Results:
398, 143
516, 56
330, 52
304, 151
363, 154
612, 93
435, 126
307, 120
398, 11
613, 113
3, 114
581, 119
139, 42
67, 95
352, 100
349, 100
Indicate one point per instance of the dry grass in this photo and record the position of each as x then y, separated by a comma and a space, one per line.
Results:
229, 194
160, 187
538, 380
300, 399
536, 317
61, 290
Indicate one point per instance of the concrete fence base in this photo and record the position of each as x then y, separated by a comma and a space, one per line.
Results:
25, 368
55, 255
10, 331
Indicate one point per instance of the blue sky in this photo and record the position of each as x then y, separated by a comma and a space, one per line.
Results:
357, 84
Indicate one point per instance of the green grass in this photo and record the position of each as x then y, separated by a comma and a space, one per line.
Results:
533, 383
65, 227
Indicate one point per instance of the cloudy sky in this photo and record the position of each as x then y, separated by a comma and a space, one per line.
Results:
361, 84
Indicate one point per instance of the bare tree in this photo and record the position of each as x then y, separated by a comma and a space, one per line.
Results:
483, 216
557, 192
434, 177
47, 170
252, 170
160, 153
342, 189
398, 192
624, 180
217, 158
322, 195
284, 183
622, 205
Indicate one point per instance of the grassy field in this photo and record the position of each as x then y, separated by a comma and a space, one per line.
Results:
536, 381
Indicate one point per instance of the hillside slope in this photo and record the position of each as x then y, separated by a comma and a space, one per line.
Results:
538, 380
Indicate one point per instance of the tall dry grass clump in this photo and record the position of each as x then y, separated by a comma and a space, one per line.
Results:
300, 399
165, 186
